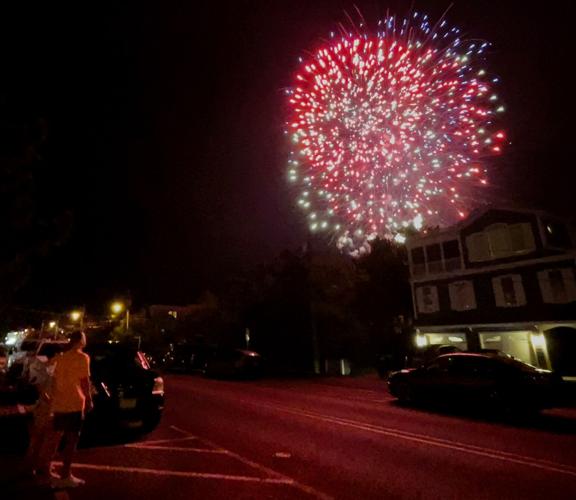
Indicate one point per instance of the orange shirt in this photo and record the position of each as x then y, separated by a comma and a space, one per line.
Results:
67, 394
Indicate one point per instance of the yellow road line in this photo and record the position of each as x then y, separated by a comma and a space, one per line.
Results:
438, 442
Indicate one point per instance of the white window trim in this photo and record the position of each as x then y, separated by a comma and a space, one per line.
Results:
546, 289
518, 291
528, 237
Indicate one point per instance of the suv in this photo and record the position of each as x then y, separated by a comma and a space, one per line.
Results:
127, 393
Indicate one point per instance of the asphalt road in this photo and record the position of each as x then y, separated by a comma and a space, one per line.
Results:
322, 439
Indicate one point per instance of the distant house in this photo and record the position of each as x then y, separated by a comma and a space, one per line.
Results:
501, 279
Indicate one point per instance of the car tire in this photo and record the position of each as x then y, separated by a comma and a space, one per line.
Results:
404, 393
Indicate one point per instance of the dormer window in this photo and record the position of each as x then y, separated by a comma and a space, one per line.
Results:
499, 241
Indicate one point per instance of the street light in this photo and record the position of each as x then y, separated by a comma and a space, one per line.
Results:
117, 307
77, 316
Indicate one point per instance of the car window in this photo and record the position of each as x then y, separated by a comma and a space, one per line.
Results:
472, 366
439, 365
116, 357
29, 345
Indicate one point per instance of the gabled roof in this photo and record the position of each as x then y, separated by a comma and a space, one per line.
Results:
473, 217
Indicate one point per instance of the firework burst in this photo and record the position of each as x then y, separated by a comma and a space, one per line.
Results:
391, 129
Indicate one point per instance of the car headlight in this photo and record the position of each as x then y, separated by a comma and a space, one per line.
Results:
158, 387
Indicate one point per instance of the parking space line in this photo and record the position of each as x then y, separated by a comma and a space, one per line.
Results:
278, 476
173, 473
176, 448
171, 440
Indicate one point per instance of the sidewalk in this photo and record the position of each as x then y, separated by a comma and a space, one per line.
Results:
368, 381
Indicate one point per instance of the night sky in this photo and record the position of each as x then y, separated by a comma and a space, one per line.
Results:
166, 129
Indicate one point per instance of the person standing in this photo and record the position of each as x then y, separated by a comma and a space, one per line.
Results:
40, 376
70, 400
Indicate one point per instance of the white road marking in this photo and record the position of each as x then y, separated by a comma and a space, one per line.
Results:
171, 440
174, 473
302, 487
432, 441
176, 448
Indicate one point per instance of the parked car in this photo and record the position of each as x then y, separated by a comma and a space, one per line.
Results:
31, 348
185, 358
233, 363
126, 392
477, 378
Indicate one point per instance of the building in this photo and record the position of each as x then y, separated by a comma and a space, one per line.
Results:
501, 279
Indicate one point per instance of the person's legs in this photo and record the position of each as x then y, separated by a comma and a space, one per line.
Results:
40, 428
46, 451
70, 444
71, 424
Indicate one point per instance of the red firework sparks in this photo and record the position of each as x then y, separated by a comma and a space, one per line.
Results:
391, 130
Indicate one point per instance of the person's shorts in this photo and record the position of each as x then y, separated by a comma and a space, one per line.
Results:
68, 422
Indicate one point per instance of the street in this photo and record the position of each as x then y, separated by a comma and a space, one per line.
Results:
326, 439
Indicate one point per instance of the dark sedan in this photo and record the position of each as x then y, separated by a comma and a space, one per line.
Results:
127, 392
233, 363
498, 381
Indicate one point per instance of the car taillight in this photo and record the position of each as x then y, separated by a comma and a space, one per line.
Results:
158, 387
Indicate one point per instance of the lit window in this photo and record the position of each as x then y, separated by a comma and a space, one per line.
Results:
509, 291
478, 247
500, 241
462, 296
558, 286
521, 238
427, 299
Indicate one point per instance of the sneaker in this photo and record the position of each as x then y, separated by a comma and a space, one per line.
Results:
68, 482
46, 479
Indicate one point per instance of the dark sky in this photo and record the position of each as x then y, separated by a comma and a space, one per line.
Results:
165, 128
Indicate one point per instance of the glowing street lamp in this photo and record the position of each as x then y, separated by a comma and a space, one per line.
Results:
52, 325
77, 316
117, 308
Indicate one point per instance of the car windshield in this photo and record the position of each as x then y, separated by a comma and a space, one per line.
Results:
116, 357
